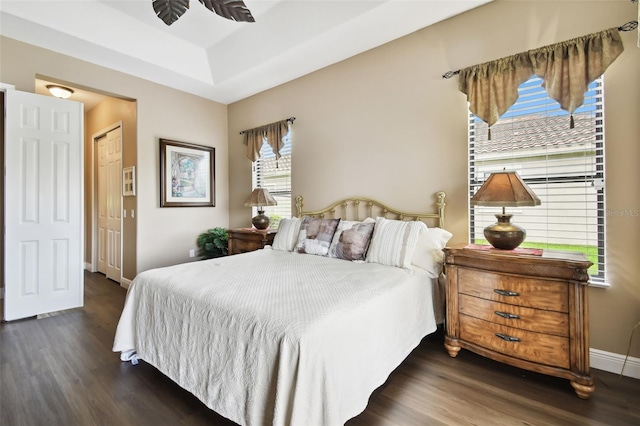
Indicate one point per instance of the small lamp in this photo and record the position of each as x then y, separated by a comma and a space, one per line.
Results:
59, 91
260, 197
504, 189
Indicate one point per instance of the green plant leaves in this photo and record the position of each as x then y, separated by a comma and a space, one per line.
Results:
213, 243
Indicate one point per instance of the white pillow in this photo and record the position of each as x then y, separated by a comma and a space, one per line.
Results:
287, 236
428, 254
394, 242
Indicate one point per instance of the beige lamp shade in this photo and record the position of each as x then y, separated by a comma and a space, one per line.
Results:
260, 197
505, 189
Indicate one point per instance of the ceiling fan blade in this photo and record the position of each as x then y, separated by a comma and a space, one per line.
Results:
230, 9
170, 10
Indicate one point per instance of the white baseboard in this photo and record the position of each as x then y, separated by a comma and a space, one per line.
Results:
124, 282
611, 362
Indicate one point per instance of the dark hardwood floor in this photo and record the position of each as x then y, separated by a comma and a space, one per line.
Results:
60, 370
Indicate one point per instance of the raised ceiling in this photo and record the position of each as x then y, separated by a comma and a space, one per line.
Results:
209, 56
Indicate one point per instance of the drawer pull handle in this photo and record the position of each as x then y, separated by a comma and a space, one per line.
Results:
507, 315
506, 292
507, 338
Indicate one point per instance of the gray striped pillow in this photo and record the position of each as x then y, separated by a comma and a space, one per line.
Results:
394, 242
287, 236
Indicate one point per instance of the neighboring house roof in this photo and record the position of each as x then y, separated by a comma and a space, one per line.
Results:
523, 133
272, 165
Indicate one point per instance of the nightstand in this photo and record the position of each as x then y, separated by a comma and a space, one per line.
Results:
242, 240
524, 310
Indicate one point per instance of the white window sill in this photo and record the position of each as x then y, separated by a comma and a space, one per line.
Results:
599, 284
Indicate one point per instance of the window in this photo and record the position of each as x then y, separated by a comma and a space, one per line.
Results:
275, 175
563, 166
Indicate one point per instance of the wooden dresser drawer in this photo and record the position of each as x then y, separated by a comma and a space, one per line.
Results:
243, 240
537, 347
518, 290
244, 246
529, 311
541, 321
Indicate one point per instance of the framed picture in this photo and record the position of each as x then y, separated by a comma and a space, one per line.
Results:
187, 174
129, 181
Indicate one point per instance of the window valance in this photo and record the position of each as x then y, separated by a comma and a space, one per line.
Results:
566, 69
272, 133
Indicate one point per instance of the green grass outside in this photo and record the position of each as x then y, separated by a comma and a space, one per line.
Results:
590, 251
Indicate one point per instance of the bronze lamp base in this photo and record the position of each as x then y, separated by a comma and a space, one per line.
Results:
504, 235
261, 221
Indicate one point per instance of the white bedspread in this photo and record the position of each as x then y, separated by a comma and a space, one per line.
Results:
272, 337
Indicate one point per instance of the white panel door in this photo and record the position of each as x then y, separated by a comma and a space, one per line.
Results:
43, 205
102, 204
114, 204
109, 166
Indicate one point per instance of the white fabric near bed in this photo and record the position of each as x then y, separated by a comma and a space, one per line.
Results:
272, 337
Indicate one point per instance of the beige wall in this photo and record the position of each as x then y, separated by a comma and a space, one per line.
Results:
163, 235
103, 116
385, 124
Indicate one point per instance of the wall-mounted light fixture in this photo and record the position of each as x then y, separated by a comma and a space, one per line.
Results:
59, 91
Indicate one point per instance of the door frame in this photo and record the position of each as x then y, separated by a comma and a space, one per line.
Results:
93, 267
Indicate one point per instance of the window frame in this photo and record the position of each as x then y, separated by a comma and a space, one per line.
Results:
595, 101
259, 180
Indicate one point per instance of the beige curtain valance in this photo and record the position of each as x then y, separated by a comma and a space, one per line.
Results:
272, 133
566, 69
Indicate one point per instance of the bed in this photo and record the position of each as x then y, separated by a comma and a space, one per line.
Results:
291, 334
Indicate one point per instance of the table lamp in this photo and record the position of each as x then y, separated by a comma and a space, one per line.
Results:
260, 197
504, 189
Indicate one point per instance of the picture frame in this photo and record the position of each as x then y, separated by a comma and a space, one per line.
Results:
129, 181
187, 174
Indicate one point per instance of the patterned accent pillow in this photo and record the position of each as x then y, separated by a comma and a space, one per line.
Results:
394, 242
351, 240
287, 236
315, 235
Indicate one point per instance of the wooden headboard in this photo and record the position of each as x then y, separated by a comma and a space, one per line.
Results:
359, 208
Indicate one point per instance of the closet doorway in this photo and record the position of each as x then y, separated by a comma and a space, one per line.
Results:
107, 149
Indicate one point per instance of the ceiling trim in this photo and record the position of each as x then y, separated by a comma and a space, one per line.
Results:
235, 60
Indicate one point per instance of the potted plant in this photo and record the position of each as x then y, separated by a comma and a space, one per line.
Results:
213, 243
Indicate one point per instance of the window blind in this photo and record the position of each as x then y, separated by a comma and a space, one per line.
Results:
564, 166
275, 175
